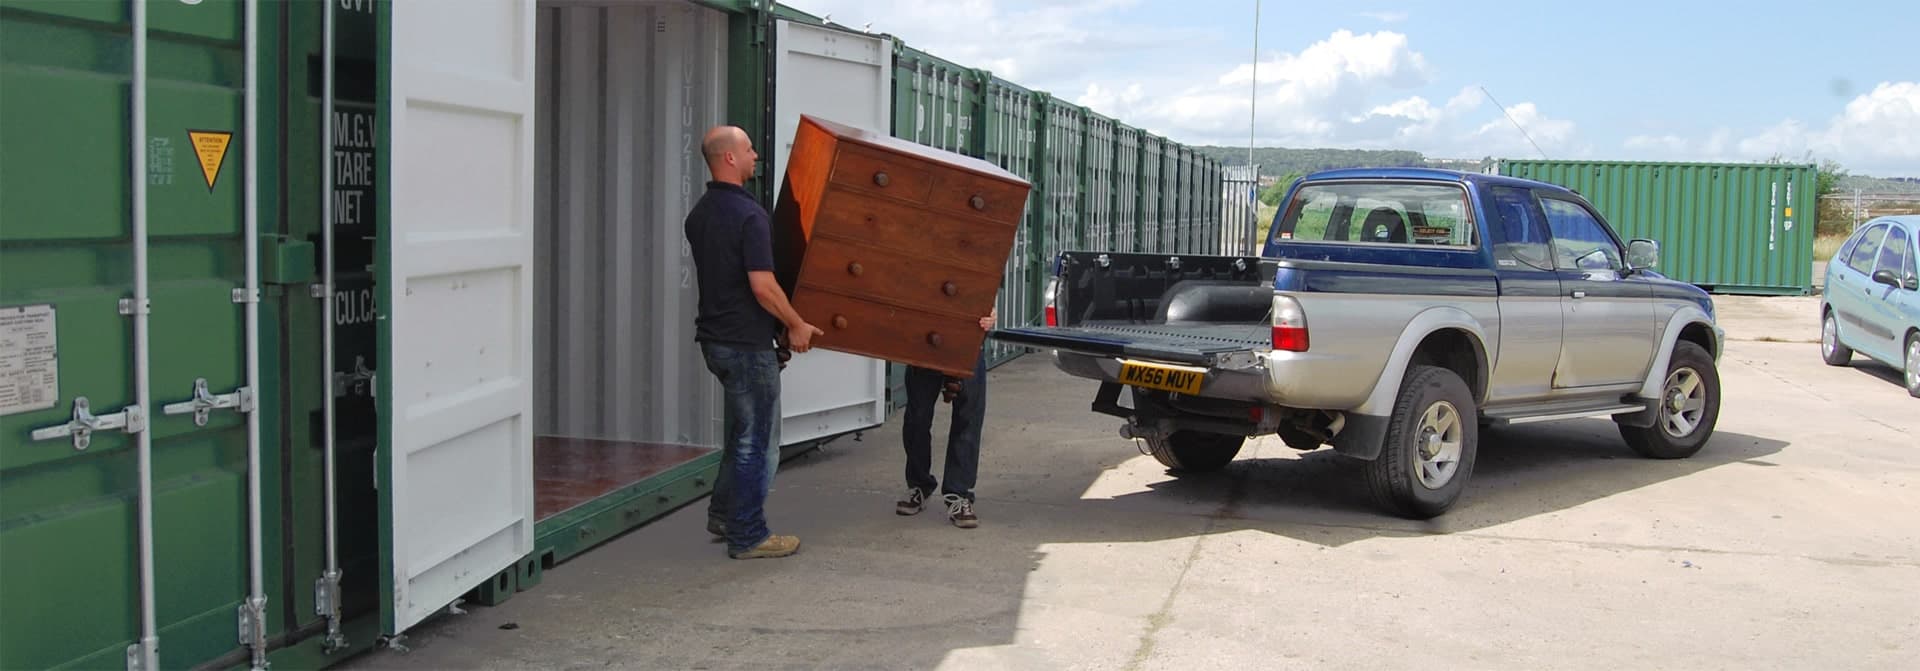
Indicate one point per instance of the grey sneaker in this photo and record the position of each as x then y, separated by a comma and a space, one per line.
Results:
912, 505
960, 512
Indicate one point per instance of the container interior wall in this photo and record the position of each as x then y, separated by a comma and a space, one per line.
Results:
1732, 228
626, 93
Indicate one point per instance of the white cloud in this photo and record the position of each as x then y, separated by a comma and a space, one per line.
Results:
1386, 17
1347, 89
1877, 133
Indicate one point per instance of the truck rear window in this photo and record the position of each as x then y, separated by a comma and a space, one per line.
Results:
1374, 213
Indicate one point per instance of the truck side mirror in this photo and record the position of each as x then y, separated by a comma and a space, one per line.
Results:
1912, 282
1643, 254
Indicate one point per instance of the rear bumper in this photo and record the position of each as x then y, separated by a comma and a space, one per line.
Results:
1249, 384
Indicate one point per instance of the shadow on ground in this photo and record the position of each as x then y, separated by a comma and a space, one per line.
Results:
874, 590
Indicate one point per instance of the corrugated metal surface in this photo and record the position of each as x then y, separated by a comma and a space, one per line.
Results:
1152, 193
1011, 139
935, 101
615, 296
1097, 184
1733, 228
68, 530
1239, 203
1064, 143
1126, 175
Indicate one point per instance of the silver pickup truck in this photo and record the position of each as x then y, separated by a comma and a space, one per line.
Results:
1393, 313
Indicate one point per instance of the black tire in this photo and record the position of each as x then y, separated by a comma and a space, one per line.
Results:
1195, 451
1912, 367
1831, 351
1396, 478
1661, 441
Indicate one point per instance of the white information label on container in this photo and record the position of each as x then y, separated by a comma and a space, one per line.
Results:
29, 359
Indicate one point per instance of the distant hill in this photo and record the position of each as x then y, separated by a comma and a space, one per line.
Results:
1276, 161
1872, 185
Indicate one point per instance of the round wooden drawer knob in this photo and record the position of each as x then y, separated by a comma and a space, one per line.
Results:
949, 289
855, 269
934, 339
977, 202
840, 321
881, 178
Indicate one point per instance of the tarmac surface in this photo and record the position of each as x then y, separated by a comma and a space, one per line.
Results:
1790, 541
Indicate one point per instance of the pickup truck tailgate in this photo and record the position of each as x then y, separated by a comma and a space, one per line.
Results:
1193, 344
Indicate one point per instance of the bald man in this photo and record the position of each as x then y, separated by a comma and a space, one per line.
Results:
742, 310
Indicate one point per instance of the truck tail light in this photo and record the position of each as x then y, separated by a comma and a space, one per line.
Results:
1053, 310
1289, 325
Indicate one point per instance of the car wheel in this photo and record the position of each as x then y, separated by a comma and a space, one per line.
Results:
1831, 350
1913, 365
1195, 451
1689, 406
1431, 441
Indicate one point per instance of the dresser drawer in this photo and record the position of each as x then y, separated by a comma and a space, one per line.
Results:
978, 196
968, 243
884, 275
890, 175
941, 342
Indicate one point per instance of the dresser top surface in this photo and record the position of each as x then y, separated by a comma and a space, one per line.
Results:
896, 145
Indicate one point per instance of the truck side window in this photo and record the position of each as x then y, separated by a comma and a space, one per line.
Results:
1867, 250
1579, 241
1526, 235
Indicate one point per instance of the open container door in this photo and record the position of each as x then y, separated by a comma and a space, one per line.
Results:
844, 77
455, 254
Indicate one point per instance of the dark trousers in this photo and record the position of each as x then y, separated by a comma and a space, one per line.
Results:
963, 437
751, 382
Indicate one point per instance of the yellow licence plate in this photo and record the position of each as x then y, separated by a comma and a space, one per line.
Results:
1163, 377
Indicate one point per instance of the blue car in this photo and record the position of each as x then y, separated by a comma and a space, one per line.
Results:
1872, 301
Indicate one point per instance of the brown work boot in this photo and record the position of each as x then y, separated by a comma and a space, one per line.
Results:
773, 546
960, 512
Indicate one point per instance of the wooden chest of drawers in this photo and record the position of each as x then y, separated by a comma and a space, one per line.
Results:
895, 249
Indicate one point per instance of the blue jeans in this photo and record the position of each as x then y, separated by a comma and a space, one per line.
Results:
751, 382
963, 435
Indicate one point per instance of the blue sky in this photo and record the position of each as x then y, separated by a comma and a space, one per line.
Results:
1621, 80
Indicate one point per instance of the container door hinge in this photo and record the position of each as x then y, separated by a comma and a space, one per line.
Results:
326, 603
361, 380
203, 403
85, 423
253, 629
241, 295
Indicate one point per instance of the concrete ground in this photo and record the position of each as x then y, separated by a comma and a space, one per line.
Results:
1789, 542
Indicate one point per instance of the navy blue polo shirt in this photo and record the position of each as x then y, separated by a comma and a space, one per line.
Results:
730, 236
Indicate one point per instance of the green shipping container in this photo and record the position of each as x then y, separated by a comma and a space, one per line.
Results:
465, 227
1727, 227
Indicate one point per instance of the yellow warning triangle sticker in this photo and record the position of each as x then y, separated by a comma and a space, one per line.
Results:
211, 147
